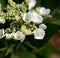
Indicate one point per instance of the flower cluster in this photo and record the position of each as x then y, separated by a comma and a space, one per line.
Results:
20, 20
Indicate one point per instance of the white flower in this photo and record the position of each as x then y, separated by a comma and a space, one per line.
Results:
43, 26
9, 36
31, 3
19, 36
27, 17
1, 33
43, 11
39, 33
32, 17
2, 20
36, 18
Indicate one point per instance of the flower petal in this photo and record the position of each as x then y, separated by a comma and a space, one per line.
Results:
27, 17
9, 36
2, 20
43, 11
19, 36
31, 3
37, 18
43, 26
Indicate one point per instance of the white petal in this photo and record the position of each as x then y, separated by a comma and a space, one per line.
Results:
48, 11
2, 20
44, 11
39, 34
31, 3
19, 36
43, 26
9, 36
3, 31
27, 17
36, 18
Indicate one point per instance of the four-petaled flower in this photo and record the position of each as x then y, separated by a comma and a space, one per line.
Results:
39, 33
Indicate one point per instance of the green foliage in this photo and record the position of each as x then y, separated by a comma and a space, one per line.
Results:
23, 55
3, 3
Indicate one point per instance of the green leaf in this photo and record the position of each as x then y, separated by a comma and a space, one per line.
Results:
3, 3
3, 49
45, 51
57, 22
22, 52
48, 50
27, 55
20, 48
23, 55
14, 56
